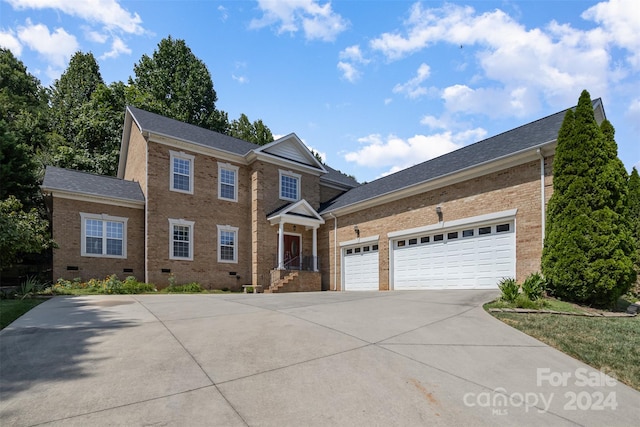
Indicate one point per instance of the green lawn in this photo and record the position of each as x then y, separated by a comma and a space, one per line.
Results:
11, 309
609, 344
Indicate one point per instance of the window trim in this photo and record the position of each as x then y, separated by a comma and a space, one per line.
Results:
183, 223
228, 228
229, 168
293, 175
104, 218
183, 156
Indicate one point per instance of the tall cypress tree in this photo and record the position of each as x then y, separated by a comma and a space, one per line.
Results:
633, 211
588, 252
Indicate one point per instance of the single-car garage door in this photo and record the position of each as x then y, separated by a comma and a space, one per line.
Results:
465, 258
361, 268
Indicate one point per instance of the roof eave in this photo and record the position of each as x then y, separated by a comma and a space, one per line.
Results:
494, 165
93, 198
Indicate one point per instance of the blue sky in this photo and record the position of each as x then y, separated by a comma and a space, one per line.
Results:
375, 86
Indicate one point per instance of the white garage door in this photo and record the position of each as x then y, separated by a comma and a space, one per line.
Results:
361, 268
466, 258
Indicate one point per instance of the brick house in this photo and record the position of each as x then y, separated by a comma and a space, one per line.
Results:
206, 207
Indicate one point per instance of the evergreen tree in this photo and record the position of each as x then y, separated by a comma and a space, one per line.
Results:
588, 249
633, 210
17, 170
175, 83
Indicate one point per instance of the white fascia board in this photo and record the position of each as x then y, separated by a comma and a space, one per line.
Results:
270, 158
94, 198
194, 147
360, 241
524, 156
124, 144
447, 225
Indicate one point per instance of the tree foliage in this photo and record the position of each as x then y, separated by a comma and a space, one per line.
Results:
21, 232
633, 209
173, 82
23, 102
17, 168
588, 250
256, 132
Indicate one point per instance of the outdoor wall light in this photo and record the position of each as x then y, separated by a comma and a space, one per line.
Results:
439, 212
357, 230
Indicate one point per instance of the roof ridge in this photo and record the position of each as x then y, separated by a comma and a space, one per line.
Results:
88, 173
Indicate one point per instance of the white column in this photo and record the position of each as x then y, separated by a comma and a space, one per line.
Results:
315, 249
281, 247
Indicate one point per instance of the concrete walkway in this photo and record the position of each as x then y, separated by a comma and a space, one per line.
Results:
309, 359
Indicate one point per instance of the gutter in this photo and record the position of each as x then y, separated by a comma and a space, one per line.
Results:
542, 196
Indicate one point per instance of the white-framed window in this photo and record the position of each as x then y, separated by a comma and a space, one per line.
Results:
227, 244
227, 182
181, 239
181, 179
103, 235
289, 186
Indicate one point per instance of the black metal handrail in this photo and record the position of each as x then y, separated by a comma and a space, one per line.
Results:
298, 263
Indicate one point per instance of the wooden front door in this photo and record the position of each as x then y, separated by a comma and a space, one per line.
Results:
291, 252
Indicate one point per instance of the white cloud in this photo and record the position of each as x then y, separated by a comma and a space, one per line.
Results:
349, 71
620, 20
95, 36
353, 54
8, 40
240, 79
57, 46
318, 22
104, 12
224, 15
397, 153
322, 154
413, 89
519, 67
434, 122
118, 47
633, 113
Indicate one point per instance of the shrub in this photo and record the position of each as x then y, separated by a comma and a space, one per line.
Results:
509, 288
193, 287
110, 285
522, 301
534, 286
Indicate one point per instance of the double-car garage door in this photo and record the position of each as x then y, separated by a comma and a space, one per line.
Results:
465, 258
471, 257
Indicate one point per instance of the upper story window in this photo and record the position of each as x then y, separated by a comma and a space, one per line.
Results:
227, 182
181, 239
103, 236
289, 186
181, 172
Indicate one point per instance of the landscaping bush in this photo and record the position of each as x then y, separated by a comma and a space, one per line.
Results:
110, 285
534, 286
509, 288
523, 301
188, 288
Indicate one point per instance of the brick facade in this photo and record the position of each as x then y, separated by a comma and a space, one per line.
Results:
513, 188
68, 262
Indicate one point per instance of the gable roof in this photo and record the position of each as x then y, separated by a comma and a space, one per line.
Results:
299, 212
164, 126
292, 148
83, 183
527, 137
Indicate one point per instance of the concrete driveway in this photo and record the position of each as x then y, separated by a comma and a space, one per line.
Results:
388, 358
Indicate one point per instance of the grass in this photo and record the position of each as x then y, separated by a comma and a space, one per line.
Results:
547, 304
609, 344
11, 309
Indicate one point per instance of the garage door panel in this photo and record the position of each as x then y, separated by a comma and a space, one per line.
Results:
361, 271
471, 262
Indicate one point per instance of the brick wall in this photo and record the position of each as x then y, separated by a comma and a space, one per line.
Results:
517, 187
207, 211
67, 232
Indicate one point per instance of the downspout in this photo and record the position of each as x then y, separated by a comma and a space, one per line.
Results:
335, 251
542, 197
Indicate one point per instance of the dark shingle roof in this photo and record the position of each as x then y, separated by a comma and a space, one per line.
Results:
338, 177
161, 125
508, 143
90, 184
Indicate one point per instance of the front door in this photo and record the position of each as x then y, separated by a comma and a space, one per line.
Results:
291, 252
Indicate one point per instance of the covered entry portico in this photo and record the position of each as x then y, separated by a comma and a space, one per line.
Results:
298, 214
